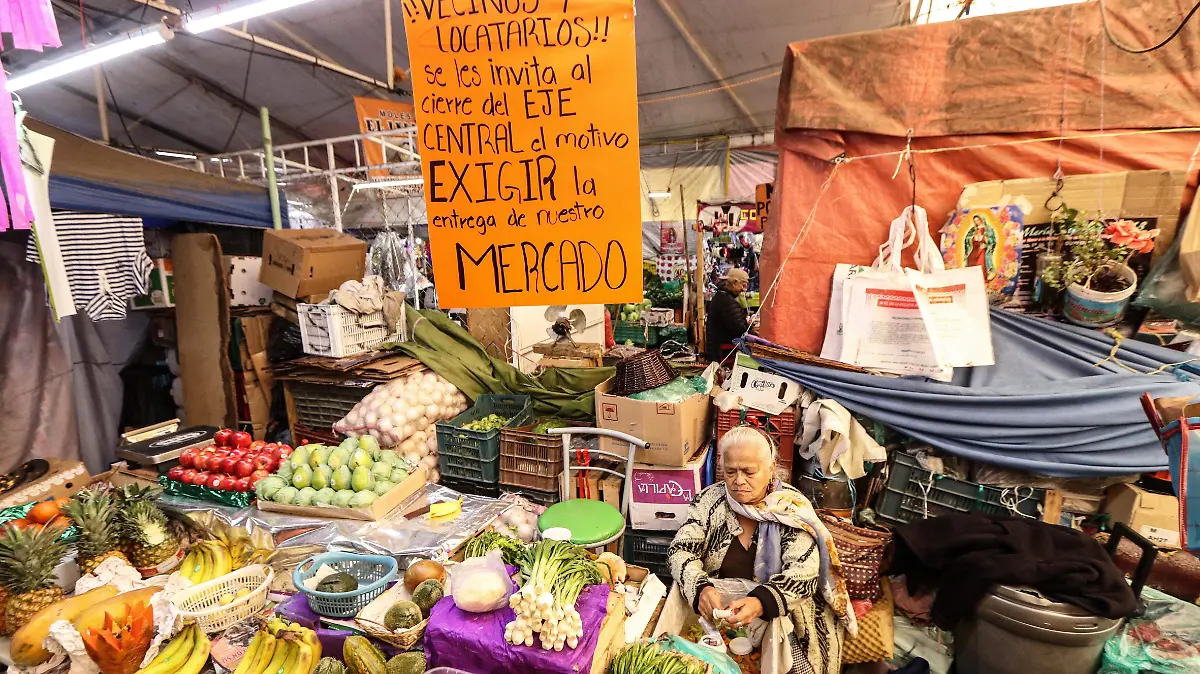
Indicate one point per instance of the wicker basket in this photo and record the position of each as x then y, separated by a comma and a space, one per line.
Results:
642, 372
202, 603
370, 619
373, 572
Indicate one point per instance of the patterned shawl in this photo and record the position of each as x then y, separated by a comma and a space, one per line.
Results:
790, 509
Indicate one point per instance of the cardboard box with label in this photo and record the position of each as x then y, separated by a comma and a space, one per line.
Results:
1154, 516
763, 391
660, 495
300, 262
675, 431
245, 290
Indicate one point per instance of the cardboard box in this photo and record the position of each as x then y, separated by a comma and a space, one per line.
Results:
674, 430
660, 495
162, 287
62, 480
245, 290
407, 497
1155, 516
299, 262
763, 391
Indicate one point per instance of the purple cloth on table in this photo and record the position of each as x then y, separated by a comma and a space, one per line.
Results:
474, 642
297, 610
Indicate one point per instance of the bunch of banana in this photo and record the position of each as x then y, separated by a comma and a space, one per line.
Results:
187, 653
281, 648
205, 561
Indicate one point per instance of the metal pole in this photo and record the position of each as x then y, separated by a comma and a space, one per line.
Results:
272, 186
102, 105
387, 41
333, 188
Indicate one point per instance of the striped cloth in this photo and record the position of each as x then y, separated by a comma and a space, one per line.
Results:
105, 260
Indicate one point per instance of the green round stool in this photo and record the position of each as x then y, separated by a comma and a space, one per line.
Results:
593, 524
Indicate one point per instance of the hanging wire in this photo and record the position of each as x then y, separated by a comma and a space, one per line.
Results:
1134, 50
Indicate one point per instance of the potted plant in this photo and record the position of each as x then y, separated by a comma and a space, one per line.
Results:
1095, 272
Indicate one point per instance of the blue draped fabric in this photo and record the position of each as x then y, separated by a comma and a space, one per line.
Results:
1045, 406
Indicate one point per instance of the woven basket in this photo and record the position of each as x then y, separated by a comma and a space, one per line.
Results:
370, 619
642, 372
861, 552
202, 603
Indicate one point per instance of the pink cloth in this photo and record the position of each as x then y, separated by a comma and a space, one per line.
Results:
31, 23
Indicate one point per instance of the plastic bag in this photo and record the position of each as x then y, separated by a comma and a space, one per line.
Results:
678, 390
1166, 640
721, 662
481, 584
1164, 291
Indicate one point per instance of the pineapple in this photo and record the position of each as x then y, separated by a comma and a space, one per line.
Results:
27, 561
93, 512
150, 539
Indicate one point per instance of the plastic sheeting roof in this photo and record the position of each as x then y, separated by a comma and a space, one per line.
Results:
186, 94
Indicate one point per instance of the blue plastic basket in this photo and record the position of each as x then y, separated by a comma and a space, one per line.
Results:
373, 572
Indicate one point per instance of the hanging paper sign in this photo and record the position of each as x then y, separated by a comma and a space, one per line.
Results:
670, 238
989, 238
529, 149
762, 204
376, 114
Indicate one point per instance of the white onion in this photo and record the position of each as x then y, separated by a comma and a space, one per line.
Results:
525, 532
431, 442
413, 457
385, 410
430, 379
429, 462
385, 425
432, 411
407, 446
370, 419
406, 431
420, 424
413, 413
418, 437
435, 476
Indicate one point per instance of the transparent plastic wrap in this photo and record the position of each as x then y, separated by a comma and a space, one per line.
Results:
1164, 290
675, 391
386, 258
481, 584
1165, 640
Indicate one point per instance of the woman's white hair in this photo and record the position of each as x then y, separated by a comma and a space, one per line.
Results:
747, 436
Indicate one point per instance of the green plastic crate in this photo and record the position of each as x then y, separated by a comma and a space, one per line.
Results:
475, 455
641, 335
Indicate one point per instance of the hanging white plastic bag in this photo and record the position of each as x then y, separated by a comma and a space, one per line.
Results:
481, 584
831, 348
954, 305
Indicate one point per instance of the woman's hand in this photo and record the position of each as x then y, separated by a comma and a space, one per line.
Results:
710, 600
745, 610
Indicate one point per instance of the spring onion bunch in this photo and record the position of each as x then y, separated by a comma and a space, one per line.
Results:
556, 572
512, 550
647, 657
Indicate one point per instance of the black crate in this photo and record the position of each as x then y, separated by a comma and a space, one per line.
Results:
543, 498
462, 486
913, 493
319, 406
649, 549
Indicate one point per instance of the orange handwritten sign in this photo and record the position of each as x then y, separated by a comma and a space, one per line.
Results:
529, 147
376, 114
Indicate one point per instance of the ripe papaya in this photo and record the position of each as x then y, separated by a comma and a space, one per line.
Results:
27, 647
118, 605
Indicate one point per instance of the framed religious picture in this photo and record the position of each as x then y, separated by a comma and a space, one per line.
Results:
987, 237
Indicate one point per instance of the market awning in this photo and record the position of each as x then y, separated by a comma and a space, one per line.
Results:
88, 176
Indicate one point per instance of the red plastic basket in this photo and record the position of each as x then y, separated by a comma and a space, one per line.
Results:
781, 428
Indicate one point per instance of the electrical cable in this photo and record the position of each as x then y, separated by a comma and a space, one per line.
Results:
117, 108
245, 88
1132, 50
713, 90
704, 84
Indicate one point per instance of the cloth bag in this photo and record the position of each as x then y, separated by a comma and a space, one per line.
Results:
861, 552
924, 321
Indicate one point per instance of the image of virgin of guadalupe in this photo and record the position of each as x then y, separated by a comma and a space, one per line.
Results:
980, 247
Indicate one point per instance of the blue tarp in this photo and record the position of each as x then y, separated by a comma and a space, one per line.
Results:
1045, 407
88, 176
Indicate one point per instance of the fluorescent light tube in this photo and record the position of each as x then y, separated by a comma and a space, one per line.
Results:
226, 15
95, 55
660, 195
402, 182
176, 155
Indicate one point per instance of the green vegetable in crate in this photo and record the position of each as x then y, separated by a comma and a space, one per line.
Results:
330, 666
544, 427
402, 615
511, 550
318, 457
338, 582
646, 657
427, 594
285, 471
361, 479
323, 497
383, 486
363, 499
338, 458
302, 477
305, 496
342, 498
341, 478
412, 662
489, 423
267, 486
286, 495
322, 476
361, 656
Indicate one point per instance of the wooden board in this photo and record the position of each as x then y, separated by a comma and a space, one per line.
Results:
407, 497
612, 634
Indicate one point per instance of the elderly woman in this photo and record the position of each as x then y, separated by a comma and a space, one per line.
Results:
754, 546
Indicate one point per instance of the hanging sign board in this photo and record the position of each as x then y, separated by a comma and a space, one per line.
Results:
670, 238
762, 204
529, 149
376, 114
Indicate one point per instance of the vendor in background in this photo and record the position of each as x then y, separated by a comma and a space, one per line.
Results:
755, 546
726, 319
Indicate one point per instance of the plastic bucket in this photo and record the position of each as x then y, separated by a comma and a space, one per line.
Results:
1095, 309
